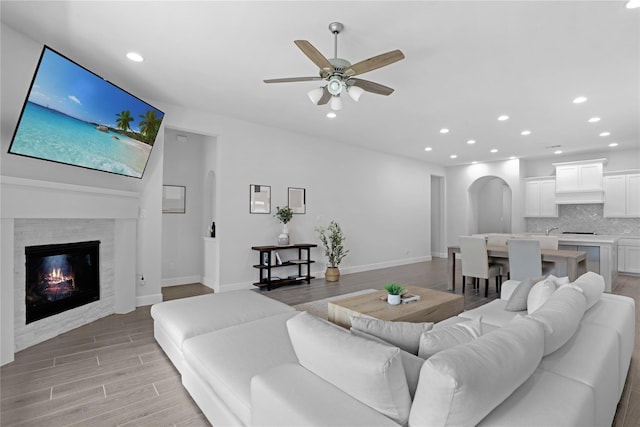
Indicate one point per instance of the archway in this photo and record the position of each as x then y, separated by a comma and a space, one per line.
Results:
490, 202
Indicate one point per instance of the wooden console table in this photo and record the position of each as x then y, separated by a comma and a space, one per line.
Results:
267, 262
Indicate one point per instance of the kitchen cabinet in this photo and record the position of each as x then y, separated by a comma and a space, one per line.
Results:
580, 182
629, 255
622, 195
540, 198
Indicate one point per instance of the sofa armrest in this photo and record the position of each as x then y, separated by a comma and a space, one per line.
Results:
291, 395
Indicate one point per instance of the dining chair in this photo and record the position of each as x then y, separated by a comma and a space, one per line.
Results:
525, 259
499, 239
475, 263
547, 242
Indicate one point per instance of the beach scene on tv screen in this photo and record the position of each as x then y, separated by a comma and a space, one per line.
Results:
73, 116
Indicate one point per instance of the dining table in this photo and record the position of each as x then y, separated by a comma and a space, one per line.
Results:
576, 261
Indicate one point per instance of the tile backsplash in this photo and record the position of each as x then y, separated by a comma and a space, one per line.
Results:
587, 218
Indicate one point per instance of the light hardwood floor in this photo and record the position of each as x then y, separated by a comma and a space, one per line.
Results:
111, 372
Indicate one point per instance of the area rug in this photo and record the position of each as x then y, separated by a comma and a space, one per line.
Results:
319, 308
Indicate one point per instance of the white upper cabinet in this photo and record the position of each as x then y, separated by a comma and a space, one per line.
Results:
580, 182
622, 195
540, 198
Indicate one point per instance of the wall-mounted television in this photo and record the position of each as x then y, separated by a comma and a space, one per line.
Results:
75, 117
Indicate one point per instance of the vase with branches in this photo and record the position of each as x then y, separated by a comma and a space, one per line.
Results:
284, 215
332, 240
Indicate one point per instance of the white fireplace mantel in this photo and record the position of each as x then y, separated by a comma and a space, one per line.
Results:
32, 199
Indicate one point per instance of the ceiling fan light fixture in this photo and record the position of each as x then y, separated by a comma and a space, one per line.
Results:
315, 94
335, 86
336, 103
355, 92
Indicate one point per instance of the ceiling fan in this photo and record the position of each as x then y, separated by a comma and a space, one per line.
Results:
339, 73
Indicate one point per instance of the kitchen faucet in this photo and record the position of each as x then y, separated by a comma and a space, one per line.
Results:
549, 230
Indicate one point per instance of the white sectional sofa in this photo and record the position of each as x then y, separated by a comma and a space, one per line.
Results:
249, 360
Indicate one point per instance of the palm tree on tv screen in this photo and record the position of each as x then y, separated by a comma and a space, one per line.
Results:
149, 126
123, 120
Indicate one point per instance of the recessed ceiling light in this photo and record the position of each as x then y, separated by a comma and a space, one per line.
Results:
454, 156
331, 115
525, 132
444, 130
613, 144
579, 99
428, 149
512, 158
605, 134
503, 118
633, 4
471, 141
474, 162
135, 57
557, 152
594, 119
494, 150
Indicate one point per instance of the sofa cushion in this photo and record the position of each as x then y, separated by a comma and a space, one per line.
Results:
518, 299
187, 317
540, 293
410, 362
368, 371
434, 341
592, 285
545, 399
599, 370
404, 335
227, 359
561, 316
617, 313
461, 385
290, 395
493, 313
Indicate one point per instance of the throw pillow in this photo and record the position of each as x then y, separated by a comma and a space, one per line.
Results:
410, 362
518, 299
461, 385
404, 335
436, 340
560, 316
592, 285
540, 293
368, 371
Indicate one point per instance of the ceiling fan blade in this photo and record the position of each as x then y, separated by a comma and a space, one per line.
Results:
371, 86
326, 96
293, 79
315, 56
374, 63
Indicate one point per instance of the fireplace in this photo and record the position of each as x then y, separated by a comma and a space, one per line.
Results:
60, 277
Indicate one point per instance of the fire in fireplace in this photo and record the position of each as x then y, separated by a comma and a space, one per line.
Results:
61, 277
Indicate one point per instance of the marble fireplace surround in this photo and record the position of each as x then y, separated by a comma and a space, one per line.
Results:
40, 212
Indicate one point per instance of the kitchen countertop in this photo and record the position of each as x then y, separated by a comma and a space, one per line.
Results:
587, 238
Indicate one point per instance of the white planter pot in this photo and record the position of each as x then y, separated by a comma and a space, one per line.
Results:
393, 299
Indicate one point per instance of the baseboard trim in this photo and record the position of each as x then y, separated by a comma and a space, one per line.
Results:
143, 300
233, 287
377, 266
439, 255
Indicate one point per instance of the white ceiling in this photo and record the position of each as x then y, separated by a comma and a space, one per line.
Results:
467, 62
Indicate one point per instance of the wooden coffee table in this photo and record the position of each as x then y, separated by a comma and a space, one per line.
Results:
433, 306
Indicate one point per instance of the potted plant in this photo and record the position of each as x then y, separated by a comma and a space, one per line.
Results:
284, 215
333, 244
394, 290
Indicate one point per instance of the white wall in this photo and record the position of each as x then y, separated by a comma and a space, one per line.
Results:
381, 201
491, 211
462, 207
